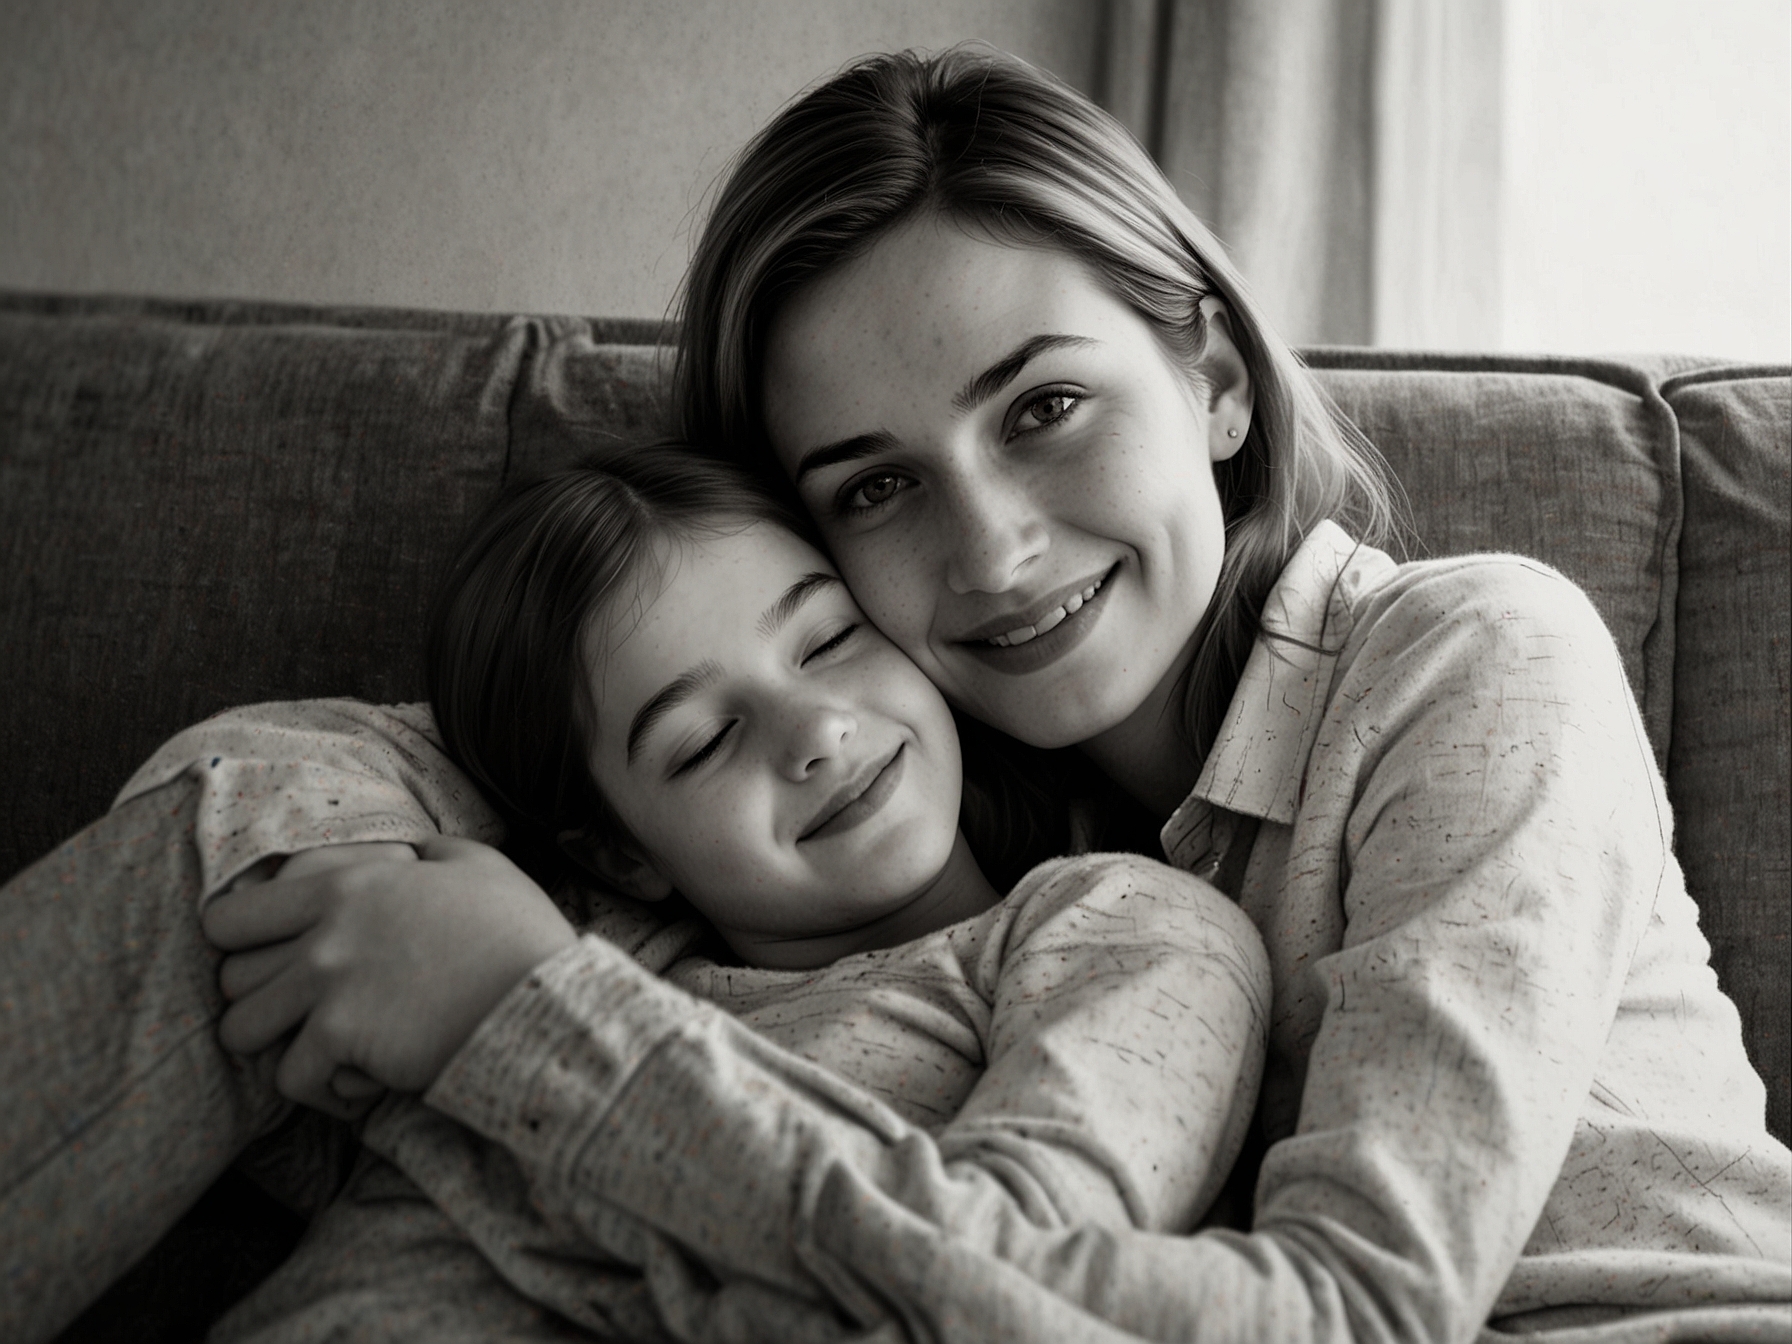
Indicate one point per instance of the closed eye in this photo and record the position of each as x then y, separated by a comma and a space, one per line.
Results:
822, 650
704, 752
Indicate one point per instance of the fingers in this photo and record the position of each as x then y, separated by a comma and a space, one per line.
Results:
454, 849
352, 1086
259, 871
325, 857
258, 909
266, 913
245, 972
304, 1074
267, 1013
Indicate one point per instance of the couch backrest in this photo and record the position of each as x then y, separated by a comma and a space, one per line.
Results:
213, 504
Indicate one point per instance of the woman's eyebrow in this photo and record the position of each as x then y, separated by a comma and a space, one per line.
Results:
673, 694
846, 450
998, 375
980, 389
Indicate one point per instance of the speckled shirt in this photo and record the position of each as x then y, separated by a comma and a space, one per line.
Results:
1502, 1079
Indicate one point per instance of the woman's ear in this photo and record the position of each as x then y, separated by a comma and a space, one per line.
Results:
616, 863
1226, 378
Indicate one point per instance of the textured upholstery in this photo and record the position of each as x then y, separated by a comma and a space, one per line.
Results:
208, 504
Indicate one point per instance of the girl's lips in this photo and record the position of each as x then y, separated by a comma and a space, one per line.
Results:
1060, 634
858, 803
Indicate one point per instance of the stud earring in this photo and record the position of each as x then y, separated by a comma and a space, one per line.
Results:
1231, 433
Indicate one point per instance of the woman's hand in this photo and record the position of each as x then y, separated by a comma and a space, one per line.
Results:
384, 964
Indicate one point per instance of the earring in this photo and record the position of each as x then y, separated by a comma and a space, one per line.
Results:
1231, 433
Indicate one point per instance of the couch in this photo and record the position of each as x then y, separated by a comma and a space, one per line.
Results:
207, 504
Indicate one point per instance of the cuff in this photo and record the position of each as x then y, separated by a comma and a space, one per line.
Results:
550, 1061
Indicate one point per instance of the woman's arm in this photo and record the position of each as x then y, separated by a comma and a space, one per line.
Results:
1494, 840
276, 779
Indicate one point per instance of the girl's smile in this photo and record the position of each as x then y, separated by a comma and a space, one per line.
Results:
775, 758
1012, 472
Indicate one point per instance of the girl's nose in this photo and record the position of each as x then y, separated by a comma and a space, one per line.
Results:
996, 530
815, 736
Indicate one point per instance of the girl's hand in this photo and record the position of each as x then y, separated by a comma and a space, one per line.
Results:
384, 964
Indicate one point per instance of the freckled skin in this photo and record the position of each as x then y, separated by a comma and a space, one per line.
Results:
983, 512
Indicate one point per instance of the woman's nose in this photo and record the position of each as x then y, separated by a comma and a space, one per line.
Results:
815, 735
996, 529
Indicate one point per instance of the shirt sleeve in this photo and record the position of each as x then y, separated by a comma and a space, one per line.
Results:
1483, 804
283, 777
1129, 1007
1483, 799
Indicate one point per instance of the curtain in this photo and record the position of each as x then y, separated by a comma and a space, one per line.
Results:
1345, 152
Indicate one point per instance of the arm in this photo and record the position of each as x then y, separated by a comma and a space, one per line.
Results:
1497, 840
279, 778
1128, 1008
1129, 1013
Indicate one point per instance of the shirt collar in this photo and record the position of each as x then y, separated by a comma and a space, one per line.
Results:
1258, 763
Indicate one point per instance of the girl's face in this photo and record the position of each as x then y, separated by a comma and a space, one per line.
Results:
1012, 474
780, 762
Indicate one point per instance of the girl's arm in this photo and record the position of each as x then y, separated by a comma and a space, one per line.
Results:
1495, 844
1128, 1005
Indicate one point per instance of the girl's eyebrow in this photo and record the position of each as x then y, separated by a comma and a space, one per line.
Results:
977, 391
669, 697
691, 680
792, 599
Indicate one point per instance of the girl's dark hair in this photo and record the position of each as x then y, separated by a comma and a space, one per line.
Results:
505, 652
982, 137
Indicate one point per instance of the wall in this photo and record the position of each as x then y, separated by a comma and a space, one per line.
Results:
536, 155
1648, 170
1602, 175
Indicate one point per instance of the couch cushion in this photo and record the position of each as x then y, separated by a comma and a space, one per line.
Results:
1572, 462
211, 507
1732, 726
217, 503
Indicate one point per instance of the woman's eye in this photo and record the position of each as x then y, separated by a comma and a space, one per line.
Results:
1046, 410
704, 752
828, 646
872, 492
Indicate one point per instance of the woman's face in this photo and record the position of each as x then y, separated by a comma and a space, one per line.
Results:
1012, 474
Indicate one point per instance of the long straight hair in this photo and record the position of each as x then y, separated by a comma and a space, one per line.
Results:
982, 137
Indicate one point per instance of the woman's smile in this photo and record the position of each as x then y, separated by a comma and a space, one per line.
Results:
1057, 625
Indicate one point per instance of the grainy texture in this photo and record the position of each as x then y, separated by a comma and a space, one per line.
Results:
1502, 1077
138, 437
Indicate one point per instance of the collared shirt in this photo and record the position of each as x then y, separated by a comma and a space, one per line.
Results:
1502, 1078
1494, 1020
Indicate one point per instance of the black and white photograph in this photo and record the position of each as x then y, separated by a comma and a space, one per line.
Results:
895, 671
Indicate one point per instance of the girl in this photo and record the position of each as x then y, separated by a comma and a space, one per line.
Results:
646, 668
1063, 464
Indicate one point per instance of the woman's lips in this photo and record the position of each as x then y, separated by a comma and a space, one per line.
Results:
859, 801
1051, 620
1064, 626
